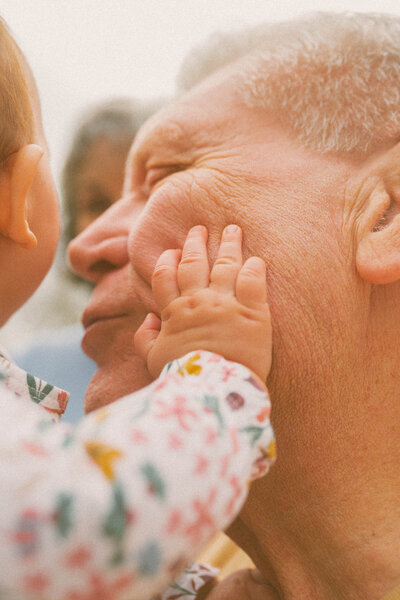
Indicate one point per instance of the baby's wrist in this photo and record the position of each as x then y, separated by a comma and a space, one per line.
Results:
199, 353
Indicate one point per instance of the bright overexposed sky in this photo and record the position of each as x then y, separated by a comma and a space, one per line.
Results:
83, 51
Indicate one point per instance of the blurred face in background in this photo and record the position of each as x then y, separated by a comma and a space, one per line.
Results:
98, 182
94, 169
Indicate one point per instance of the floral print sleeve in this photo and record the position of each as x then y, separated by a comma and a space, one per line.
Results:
24, 385
117, 506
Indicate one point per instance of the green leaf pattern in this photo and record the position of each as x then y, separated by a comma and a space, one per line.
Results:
64, 514
254, 433
154, 479
212, 402
38, 389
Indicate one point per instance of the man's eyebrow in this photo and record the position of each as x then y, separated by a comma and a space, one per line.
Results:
174, 132
167, 137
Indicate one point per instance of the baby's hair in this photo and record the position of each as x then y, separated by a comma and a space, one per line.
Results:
16, 116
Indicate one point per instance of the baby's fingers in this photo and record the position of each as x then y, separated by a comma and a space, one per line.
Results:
164, 281
228, 262
193, 271
146, 335
251, 284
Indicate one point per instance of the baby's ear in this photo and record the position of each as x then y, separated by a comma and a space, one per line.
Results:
378, 249
16, 179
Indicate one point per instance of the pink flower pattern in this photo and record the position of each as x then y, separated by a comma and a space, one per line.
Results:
127, 498
179, 410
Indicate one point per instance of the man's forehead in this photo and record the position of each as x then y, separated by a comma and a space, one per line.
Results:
167, 126
198, 118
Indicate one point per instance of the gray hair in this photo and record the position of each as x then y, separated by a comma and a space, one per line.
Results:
333, 78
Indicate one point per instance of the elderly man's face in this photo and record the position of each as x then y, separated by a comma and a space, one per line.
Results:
210, 160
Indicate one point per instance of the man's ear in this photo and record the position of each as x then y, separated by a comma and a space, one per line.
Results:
378, 250
16, 179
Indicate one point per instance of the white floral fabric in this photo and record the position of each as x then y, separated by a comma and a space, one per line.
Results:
187, 585
24, 385
117, 506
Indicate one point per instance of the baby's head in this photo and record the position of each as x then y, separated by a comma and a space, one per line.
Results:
17, 123
29, 222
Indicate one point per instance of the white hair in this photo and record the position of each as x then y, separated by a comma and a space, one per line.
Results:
334, 78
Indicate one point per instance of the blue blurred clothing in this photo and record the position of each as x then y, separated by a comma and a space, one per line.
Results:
55, 357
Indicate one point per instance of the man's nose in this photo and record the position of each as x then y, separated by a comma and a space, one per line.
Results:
102, 247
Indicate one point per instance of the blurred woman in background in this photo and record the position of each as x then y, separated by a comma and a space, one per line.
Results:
49, 325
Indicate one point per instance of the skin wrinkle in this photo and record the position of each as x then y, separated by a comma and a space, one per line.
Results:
175, 140
355, 198
243, 584
143, 150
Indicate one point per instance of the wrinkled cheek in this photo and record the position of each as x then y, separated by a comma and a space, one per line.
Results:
176, 207
165, 221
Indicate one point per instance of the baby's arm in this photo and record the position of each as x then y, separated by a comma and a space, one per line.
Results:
123, 501
224, 311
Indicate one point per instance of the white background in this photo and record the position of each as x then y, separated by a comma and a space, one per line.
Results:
83, 51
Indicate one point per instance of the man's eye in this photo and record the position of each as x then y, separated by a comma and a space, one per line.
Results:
156, 174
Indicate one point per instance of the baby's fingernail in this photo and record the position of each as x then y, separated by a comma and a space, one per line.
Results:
232, 229
258, 263
197, 229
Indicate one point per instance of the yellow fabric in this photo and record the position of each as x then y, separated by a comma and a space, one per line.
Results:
393, 595
225, 555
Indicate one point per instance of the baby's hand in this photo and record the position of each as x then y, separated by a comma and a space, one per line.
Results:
224, 311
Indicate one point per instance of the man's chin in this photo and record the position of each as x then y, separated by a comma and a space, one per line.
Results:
112, 382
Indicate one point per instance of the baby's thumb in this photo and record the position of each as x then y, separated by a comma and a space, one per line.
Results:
146, 335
